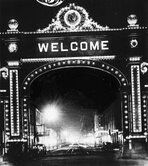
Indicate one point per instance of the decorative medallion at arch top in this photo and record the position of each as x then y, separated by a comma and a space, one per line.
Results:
74, 63
72, 19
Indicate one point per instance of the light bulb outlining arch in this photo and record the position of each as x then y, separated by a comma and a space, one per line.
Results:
70, 64
92, 64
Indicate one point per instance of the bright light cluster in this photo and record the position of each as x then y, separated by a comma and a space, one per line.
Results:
51, 113
74, 138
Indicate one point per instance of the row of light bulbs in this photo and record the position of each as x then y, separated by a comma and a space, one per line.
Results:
11, 103
131, 19
138, 112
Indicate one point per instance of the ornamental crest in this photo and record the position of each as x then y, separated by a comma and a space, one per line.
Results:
73, 18
50, 3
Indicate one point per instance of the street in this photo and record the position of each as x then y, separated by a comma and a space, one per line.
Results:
92, 160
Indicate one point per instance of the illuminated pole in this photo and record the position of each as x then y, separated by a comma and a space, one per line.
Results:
96, 126
51, 114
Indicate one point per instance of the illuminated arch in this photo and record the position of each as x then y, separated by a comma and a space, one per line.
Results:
74, 63
68, 64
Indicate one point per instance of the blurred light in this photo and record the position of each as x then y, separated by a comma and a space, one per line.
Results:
13, 25
48, 141
51, 112
65, 133
89, 139
70, 135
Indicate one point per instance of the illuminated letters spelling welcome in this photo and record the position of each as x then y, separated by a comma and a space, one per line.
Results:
73, 46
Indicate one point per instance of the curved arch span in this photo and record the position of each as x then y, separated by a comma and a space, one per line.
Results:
99, 65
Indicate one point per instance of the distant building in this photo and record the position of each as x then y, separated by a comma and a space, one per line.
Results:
89, 120
111, 121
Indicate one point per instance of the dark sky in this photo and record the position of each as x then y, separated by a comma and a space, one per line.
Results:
32, 15
77, 87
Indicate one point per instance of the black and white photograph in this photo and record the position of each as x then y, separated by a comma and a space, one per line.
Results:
73, 82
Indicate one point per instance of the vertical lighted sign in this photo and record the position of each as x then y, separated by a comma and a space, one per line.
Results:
14, 103
136, 98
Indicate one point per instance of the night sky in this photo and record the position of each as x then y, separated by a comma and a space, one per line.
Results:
32, 15
82, 87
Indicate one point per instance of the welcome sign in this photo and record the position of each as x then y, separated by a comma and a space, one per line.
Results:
68, 46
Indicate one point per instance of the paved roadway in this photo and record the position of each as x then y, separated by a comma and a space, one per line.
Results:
80, 161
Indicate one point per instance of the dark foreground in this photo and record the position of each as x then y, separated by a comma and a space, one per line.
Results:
91, 160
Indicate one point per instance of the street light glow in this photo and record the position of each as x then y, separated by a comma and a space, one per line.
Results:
51, 112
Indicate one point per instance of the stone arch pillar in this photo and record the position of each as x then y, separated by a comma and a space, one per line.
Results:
137, 137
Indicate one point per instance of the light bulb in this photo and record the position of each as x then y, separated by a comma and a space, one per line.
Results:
13, 24
132, 20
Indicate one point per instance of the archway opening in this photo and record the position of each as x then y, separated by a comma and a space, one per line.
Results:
76, 107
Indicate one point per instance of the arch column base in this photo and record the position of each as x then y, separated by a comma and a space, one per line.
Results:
16, 150
135, 148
